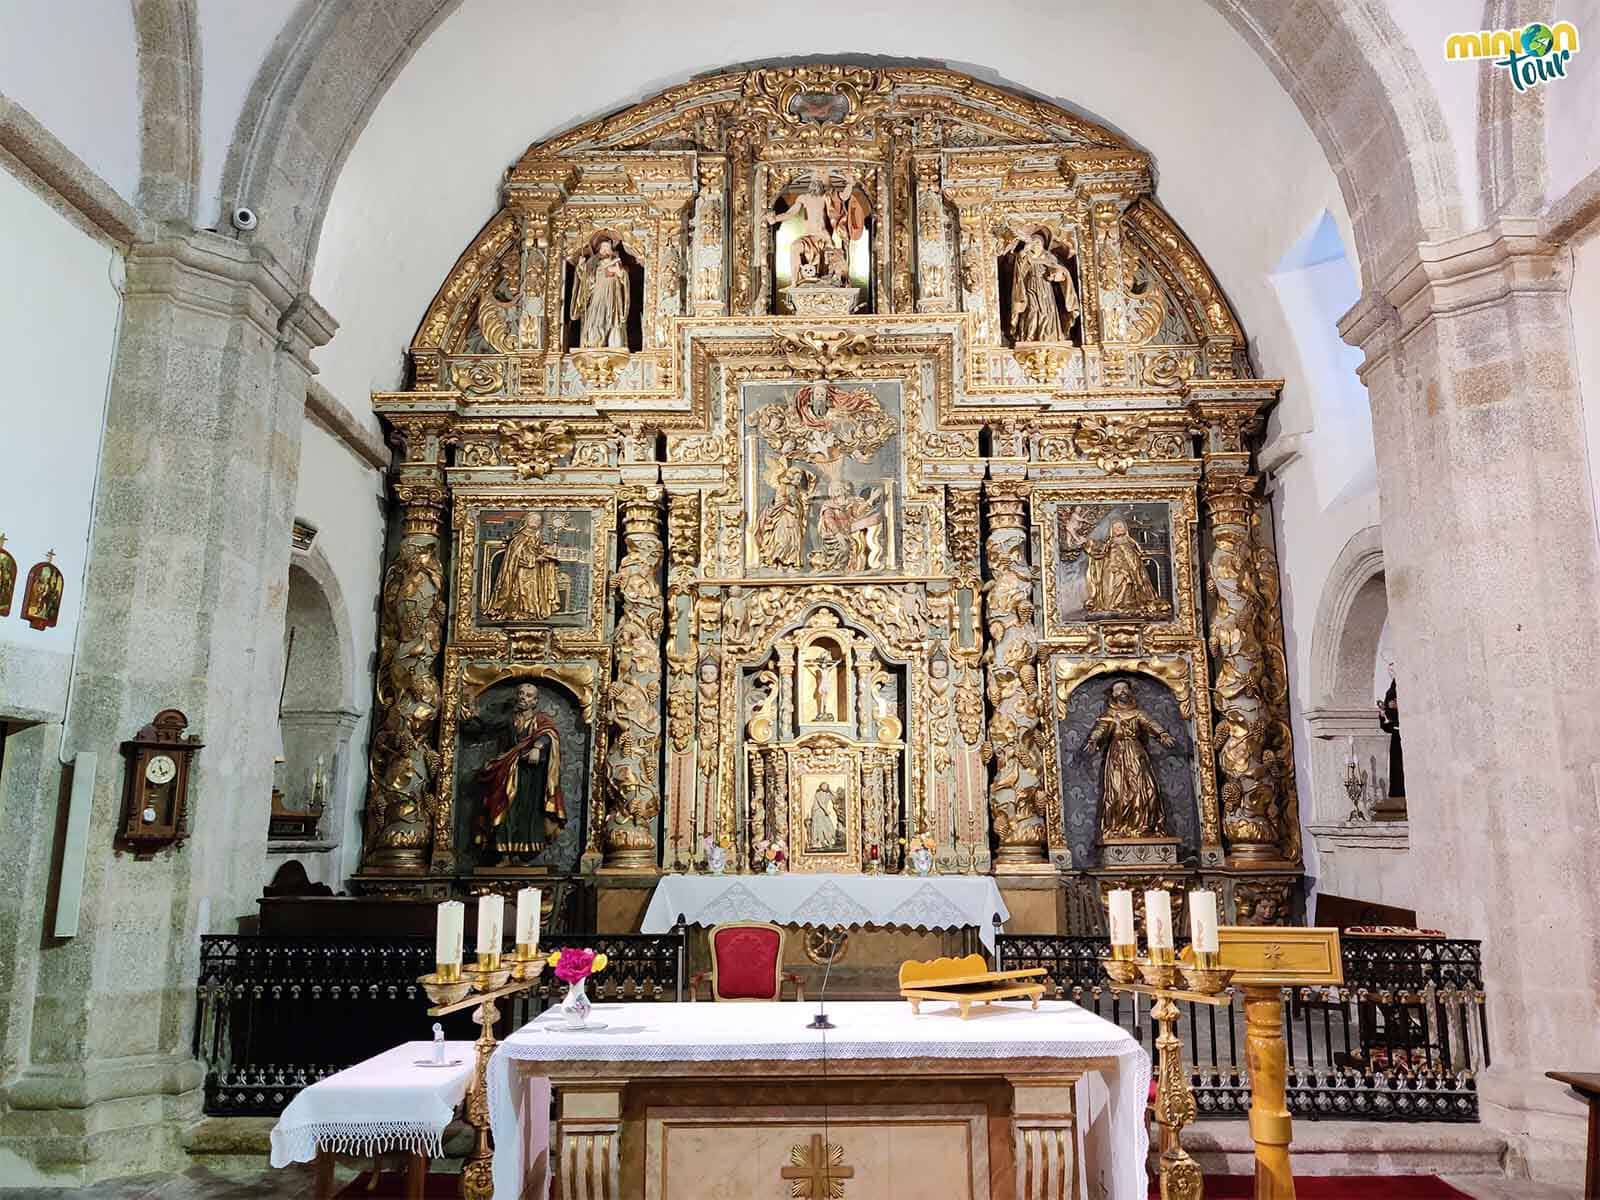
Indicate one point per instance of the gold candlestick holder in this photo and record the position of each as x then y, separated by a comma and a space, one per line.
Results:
491, 978
1174, 1106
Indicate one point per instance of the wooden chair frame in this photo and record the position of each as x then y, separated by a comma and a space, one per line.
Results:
780, 976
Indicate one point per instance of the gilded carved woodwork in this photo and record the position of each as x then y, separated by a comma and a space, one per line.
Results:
990, 511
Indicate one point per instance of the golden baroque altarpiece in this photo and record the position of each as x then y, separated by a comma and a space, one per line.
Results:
842, 457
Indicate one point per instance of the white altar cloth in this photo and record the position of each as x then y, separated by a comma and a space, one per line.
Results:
386, 1103
792, 898
1110, 1103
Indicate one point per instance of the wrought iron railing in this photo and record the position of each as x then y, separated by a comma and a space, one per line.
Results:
1402, 1040
275, 1014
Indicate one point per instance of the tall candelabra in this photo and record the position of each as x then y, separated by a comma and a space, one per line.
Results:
1204, 983
479, 985
1355, 786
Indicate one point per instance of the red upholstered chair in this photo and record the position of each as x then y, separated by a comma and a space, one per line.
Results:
746, 964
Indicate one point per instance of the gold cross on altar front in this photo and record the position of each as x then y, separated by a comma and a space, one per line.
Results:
817, 1173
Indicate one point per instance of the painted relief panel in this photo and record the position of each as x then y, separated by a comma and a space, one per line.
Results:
522, 777
535, 567
823, 477
1112, 562
1085, 740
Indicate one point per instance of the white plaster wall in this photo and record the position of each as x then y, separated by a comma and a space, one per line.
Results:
342, 496
73, 65
1572, 133
234, 40
57, 333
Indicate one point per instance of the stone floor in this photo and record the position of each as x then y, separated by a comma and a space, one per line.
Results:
295, 1184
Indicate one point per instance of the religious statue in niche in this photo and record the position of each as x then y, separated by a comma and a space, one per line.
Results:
823, 701
821, 245
826, 495
41, 599
1113, 560
535, 566
1043, 300
1389, 722
1130, 801
824, 821
602, 294
523, 805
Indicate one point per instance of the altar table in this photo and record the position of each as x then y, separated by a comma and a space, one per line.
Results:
383, 1105
671, 1101
793, 898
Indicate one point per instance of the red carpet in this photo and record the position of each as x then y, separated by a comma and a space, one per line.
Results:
1335, 1187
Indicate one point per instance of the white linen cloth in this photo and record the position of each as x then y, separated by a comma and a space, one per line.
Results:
1110, 1103
913, 901
386, 1103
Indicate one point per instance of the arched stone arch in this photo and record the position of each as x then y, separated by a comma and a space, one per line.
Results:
1362, 90
1345, 63
318, 714
169, 108
1511, 142
1351, 615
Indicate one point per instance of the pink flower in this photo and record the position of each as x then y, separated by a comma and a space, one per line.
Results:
573, 966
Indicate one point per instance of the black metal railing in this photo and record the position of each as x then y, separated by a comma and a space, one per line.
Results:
277, 1013
1403, 1039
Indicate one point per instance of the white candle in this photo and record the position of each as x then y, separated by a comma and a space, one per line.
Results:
528, 917
447, 937
1203, 922
491, 923
1158, 920
1350, 749
1122, 929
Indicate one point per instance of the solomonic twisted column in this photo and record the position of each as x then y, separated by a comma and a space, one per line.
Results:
633, 701
1015, 743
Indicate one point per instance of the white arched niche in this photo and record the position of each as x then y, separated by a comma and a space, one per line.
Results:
317, 713
1358, 860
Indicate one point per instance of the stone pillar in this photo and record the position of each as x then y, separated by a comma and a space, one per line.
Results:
402, 822
184, 608
1015, 745
1489, 541
633, 701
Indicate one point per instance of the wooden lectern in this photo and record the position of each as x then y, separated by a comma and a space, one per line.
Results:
1265, 960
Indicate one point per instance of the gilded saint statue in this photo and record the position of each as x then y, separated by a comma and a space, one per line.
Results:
523, 806
530, 583
831, 217
850, 528
1130, 802
600, 296
1117, 580
1036, 272
780, 531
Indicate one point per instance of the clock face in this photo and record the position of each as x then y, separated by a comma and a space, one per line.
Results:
160, 770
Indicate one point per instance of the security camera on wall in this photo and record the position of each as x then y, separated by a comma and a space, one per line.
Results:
244, 219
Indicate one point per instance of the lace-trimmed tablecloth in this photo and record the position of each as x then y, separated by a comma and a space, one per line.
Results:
1110, 1101
386, 1103
912, 901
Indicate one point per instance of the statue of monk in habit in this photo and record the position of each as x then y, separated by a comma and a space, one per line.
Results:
529, 586
1130, 802
600, 297
1035, 274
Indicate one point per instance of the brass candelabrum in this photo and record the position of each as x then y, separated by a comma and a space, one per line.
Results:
1204, 982
1355, 786
453, 987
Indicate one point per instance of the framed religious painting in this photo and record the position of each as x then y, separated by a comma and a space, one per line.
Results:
823, 477
537, 563
1115, 557
824, 814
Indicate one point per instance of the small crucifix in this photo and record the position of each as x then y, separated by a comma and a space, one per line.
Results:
817, 1173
